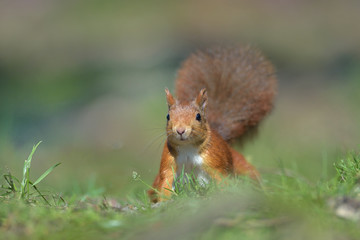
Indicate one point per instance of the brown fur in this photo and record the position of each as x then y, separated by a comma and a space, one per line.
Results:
241, 85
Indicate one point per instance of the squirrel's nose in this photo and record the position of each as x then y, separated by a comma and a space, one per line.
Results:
180, 130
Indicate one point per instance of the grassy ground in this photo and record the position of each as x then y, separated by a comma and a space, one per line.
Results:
284, 206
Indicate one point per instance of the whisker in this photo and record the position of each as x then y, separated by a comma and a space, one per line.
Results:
158, 147
147, 146
153, 130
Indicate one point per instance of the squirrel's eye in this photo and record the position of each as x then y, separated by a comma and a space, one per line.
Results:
198, 117
168, 117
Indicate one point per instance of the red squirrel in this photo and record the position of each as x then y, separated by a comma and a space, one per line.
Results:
222, 93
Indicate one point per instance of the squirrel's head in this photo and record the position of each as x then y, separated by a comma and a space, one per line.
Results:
186, 121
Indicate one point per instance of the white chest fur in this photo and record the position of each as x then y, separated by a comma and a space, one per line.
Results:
189, 159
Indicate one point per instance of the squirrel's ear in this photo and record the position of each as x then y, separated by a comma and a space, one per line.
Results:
169, 98
201, 99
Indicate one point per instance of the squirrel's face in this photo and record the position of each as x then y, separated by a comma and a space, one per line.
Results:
186, 123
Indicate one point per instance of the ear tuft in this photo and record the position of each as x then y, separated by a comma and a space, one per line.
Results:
201, 99
169, 98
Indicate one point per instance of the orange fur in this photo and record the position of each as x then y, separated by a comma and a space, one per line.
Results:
241, 86
165, 177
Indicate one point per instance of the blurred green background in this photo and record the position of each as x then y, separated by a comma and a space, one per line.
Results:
88, 79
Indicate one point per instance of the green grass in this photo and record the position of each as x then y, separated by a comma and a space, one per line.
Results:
284, 206
26, 189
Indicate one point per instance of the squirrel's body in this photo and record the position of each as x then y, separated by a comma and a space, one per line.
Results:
237, 88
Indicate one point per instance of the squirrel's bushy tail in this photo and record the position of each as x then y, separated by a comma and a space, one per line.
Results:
240, 82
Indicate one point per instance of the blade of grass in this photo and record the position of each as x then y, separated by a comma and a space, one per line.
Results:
13, 178
26, 173
45, 174
136, 177
40, 193
8, 179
